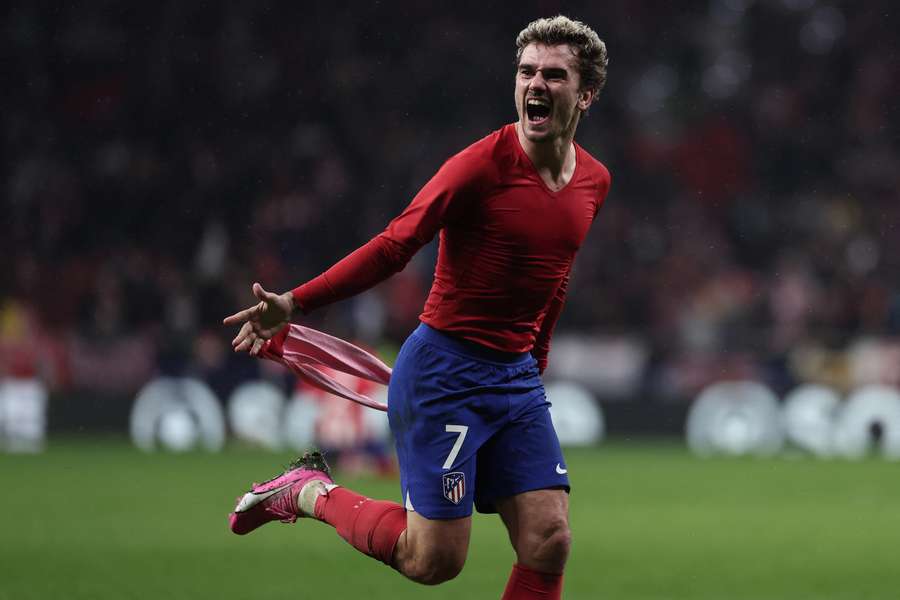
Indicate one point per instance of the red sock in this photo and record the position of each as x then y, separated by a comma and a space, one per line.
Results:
528, 584
371, 526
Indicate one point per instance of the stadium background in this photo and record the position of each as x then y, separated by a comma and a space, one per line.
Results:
157, 159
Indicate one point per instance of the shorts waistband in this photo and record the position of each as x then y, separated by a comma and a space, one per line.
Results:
469, 349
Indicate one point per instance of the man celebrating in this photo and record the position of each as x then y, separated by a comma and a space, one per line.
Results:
465, 402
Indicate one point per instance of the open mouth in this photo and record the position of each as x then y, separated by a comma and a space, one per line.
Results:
538, 111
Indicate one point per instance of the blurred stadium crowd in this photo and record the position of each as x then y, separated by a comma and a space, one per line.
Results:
159, 158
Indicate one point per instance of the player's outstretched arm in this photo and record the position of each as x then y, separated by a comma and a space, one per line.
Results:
445, 195
261, 321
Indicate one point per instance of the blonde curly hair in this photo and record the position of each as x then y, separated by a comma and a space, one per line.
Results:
589, 49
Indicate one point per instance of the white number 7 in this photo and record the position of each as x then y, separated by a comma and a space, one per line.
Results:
457, 446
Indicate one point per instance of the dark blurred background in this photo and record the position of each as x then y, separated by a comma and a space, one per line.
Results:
158, 158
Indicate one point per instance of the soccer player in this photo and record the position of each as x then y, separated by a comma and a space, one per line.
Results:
466, 404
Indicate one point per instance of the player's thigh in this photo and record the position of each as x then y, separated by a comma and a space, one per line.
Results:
440, 415
524, 455
536, 519
433, 548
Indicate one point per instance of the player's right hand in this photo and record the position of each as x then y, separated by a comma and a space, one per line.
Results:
261, 321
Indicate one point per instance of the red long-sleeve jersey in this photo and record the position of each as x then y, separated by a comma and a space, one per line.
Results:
507, 243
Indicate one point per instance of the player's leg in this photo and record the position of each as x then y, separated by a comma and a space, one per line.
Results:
526, 481
440, 416
426, 551
538, 526
432, 551
437, 434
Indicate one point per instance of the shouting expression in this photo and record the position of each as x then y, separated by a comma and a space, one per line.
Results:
549, 98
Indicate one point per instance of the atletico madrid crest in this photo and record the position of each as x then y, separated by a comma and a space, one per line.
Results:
454, 486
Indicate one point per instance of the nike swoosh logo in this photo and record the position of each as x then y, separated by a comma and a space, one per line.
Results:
560, 470
250, 499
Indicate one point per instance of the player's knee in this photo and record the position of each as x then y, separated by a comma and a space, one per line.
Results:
549, 547
435, 568
558, 545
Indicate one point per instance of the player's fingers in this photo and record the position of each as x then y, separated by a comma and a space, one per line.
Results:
260, 293
246, 329
246, 343
257, 344
265, 295
235, 318
241, 316
269, 333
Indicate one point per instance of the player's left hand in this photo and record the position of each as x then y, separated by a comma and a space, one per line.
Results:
261, 321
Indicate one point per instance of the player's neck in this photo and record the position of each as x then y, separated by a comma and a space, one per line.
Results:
554, 159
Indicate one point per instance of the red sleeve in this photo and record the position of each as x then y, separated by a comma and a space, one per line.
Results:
541, 350
439, 202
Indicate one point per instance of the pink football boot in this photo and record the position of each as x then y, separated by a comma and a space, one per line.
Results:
276, 499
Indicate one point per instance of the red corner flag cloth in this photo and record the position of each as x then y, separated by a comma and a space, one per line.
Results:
304, 351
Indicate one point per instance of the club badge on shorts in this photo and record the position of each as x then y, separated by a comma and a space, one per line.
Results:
454, 486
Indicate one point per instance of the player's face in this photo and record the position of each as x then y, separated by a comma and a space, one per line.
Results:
548, 95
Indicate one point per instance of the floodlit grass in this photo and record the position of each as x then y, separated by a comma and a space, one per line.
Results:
94, 519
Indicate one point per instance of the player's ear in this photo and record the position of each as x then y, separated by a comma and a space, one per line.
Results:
585, 97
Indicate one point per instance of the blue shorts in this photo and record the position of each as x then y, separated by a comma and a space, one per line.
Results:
470, 424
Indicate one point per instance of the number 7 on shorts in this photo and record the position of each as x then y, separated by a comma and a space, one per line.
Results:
457, 445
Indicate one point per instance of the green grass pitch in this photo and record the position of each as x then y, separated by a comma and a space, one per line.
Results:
96, 519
